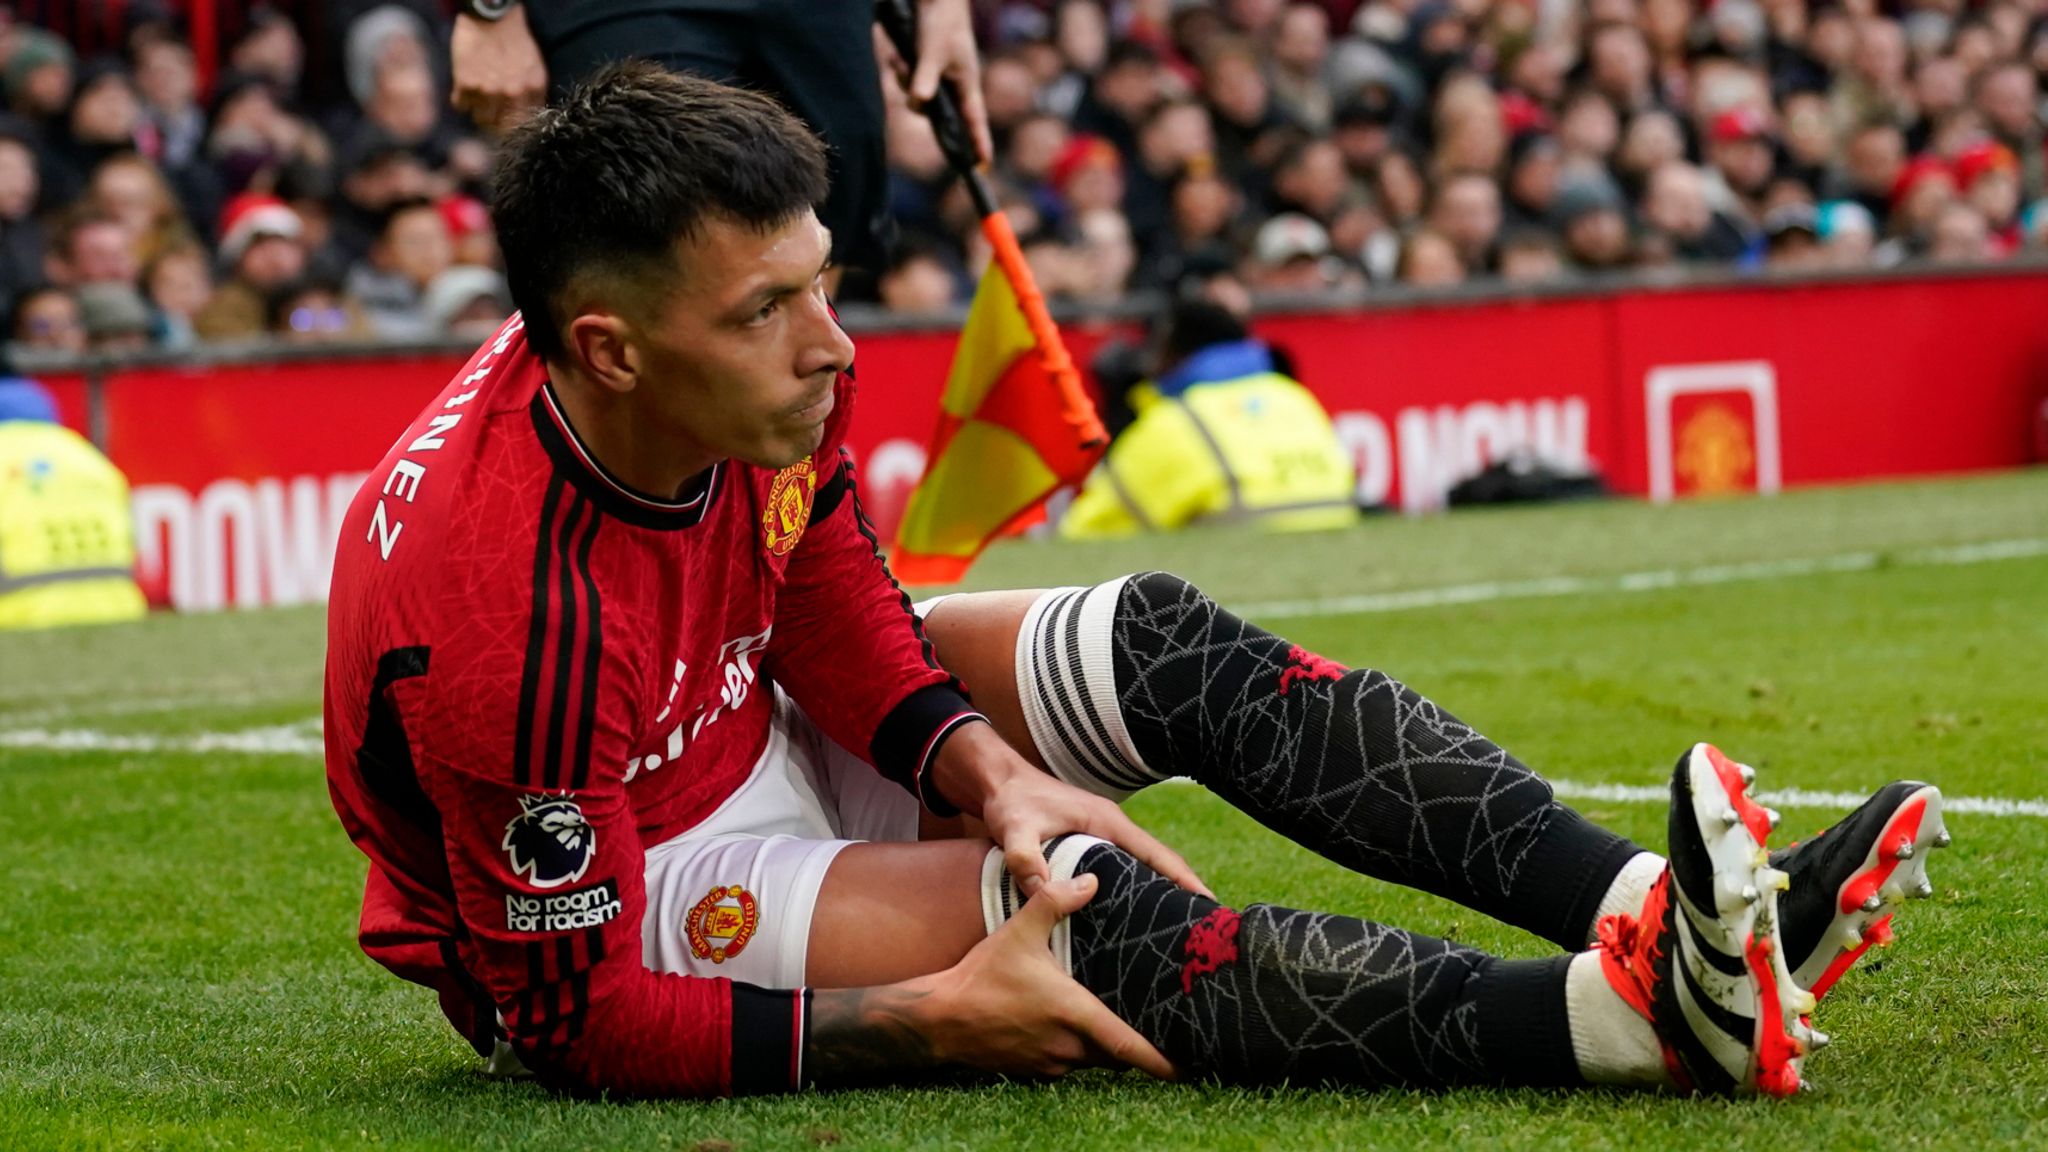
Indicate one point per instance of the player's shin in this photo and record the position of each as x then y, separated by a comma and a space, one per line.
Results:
1146, 677
1266, 994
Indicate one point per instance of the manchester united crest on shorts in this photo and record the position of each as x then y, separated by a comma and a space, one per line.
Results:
789, 506
722, 923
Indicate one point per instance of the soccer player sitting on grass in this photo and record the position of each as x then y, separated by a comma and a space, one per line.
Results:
667, 789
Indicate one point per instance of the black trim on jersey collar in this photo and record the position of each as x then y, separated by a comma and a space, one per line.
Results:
614, 496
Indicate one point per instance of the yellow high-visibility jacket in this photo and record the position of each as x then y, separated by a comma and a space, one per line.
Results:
1256, 446
67, 538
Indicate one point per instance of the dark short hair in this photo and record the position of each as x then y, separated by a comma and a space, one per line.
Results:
1192, 325
630, 164
1123, 52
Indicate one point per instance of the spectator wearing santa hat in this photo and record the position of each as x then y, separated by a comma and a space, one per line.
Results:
1988, 176
261, 251
1088, 175
469, 230
1742, 150
1925, 187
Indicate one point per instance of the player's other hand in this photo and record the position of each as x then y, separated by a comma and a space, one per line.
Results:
498, 71
1008, 1007
1024, 807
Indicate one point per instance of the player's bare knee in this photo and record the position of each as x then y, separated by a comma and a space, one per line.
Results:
919, 896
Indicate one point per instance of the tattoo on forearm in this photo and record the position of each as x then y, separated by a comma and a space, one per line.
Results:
866, 1036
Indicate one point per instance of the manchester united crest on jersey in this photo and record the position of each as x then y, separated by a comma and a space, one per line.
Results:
722, 923
789, 506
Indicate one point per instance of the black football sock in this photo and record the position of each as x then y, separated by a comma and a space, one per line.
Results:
1270, 994
1144, 678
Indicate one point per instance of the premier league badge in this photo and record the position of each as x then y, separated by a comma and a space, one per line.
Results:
549, 842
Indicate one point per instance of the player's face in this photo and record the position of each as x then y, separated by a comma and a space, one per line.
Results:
742, 357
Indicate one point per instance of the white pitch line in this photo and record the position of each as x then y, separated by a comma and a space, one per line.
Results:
303, 739
98, 707
1794, 798
1655, 580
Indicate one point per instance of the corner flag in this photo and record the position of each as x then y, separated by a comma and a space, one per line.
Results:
1014, 425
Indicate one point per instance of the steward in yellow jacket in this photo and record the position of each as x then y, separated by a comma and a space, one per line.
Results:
1219, 436
67, 539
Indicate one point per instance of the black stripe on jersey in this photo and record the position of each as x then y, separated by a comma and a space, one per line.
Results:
860, 521
565, 645
832, 491
579, 989
482, 1031
901, 738
384, 758
593, 656
537, 1020
536, 638
555, 1004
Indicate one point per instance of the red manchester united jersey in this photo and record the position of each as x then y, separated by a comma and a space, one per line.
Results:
533, 671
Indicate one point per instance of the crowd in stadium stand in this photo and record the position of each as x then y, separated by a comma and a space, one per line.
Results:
1274, 146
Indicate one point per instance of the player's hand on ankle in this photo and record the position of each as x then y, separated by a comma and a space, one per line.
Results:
1023, 807
1008, 1007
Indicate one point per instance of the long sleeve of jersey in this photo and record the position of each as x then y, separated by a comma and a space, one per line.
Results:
848, 648
522, 762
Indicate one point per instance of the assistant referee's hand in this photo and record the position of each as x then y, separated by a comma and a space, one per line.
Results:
945, 50
499, 76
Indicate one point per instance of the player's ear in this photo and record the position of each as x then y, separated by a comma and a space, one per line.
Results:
598, 343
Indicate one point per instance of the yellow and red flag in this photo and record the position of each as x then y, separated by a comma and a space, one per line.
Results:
1014, 425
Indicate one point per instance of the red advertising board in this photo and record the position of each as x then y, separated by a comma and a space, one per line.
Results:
241, 472
1882, 378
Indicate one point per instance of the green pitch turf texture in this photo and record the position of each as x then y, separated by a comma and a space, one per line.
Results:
177, 967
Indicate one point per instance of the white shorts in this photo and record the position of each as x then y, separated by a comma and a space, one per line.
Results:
733, 895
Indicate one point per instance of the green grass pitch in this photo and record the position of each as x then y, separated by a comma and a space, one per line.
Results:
177, 968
